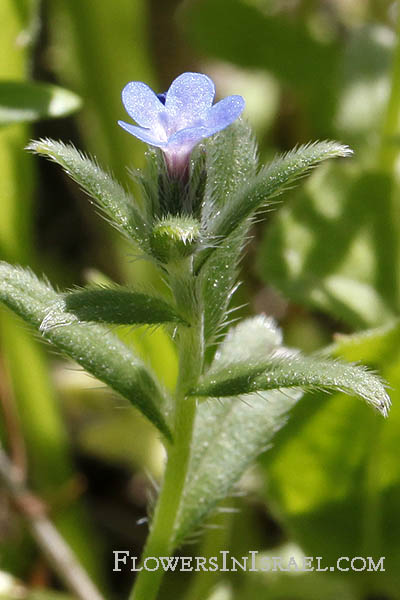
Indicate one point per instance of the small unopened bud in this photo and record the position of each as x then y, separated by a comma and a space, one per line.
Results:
174, 238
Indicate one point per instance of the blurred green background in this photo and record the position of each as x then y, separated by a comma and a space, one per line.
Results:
326, 265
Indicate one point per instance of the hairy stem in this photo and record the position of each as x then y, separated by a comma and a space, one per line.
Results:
161, 538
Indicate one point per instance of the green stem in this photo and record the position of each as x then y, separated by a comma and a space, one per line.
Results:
391, 124
161, 538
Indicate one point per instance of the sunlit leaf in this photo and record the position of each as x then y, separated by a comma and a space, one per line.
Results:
231, 161
334, 473
22, 101
286, 369
115, 305
94, 347
336, 247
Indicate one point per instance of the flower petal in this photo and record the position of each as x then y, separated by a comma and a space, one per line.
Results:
188, 99
146, 135
187, 138
142, 104
224, 113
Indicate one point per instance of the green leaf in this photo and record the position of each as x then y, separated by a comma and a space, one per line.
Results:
112, 199
114, 305
231, 162
147, 178
334, 470
290, 369
270, 181
22, 101
228, 435
94, 347
337, 248
218, 280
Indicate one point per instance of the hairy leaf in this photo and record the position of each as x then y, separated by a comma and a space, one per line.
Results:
115, 305
112, 199
231, 162
94, 347
230, 434
284, 369
218, 280
148, 180
270, 181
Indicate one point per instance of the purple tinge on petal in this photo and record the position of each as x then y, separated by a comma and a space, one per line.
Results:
143, 134
188, 99
187, 138
142, 104
179, 119
178, 150
224, 113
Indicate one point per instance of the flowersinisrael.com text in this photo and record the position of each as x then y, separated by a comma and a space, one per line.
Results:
123, 560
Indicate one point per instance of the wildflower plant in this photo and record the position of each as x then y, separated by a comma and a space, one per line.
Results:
201, 189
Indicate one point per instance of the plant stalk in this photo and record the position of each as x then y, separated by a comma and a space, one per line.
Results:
161, 538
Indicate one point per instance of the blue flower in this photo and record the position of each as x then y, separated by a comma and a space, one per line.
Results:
178, 119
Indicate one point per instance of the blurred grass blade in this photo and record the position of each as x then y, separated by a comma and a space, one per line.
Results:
79, 58
43, 428
94, 347
22, 101
115, 305
273, 179
230, 434
112, 199
293, 370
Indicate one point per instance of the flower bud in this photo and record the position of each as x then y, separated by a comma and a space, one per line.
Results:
175, 238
